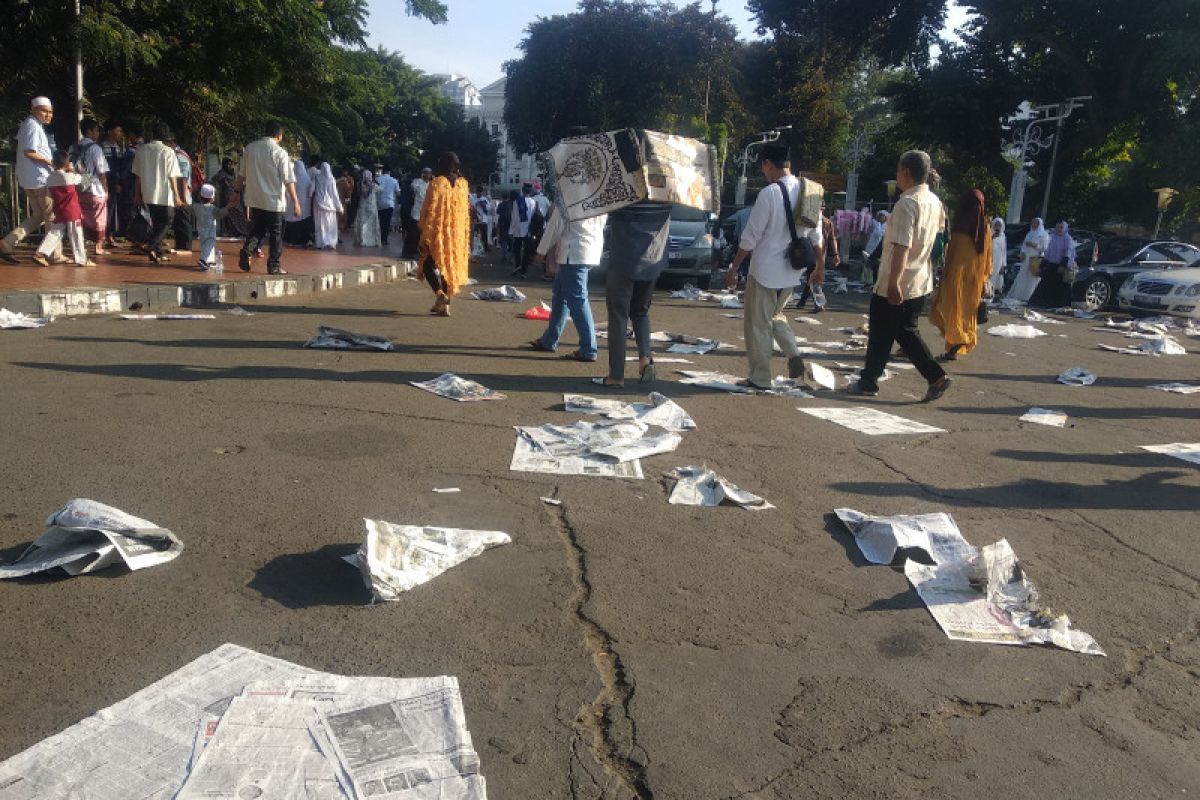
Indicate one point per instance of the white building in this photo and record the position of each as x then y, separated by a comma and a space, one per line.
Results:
459, 89
514, 168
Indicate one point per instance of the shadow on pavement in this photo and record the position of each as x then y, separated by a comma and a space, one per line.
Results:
317, 578
1140, 460
1083, 412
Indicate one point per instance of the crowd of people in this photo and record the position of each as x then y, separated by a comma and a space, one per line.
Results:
141, 184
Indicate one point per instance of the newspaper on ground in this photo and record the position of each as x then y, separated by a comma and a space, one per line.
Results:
1187, 452
1036, 316
238, 311
700, 486
396, 558
85, 536
456, 388
724, 382
809, 320
447, 490
328, 338
505, 294
698, 348
1156, 346
12, 320
169, 317
660, 411
1045, 416
979, 595
1076, 376
1011, 331
870, 421
880, 538
551, 501
1177, 388
661, 360
853, 343
820, 376
569, 449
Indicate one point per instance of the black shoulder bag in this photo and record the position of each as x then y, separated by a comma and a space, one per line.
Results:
801, 253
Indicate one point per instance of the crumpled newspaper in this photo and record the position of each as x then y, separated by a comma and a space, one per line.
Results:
85, 536
661, 410
1077, 376
505, 293
16, 321
395, 558
457, 388
1045, 416
700, 486
1177, 388
1011, 331
328, 338
1155, 346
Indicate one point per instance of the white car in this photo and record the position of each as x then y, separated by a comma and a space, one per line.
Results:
1173, 291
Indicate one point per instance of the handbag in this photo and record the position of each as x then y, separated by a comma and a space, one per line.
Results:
1035, 266
801, 253
137, 230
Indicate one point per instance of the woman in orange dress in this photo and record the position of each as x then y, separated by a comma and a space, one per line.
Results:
445, 233
968, 267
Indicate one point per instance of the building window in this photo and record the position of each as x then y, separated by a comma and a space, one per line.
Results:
495, 129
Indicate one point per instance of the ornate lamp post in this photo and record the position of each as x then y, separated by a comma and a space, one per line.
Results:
744, 158
1033, 139
858, 149
1165, 196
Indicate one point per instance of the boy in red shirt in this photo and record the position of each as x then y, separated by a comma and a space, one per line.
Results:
68, 217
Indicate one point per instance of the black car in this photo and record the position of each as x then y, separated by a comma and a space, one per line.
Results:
1115, 260
1085, 249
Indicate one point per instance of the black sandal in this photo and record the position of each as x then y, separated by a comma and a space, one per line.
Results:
649, 374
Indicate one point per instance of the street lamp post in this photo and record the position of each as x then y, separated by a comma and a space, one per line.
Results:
1165, 196
857, 150
1033, 140
739, 195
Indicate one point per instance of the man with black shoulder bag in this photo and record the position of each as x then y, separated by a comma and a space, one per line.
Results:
781, 253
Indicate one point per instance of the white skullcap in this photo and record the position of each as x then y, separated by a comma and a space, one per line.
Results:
41, 102
208, 191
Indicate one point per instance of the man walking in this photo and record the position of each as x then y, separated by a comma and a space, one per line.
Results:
578, 245
388, 187
523, 211
156, 169
771, 279
483, 218
905, 280
34, 165
265, 176
412, 236
113, 148
93, 196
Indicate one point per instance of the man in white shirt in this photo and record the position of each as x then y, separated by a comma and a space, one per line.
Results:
412, 234
905, 280
156, 168
93, 200
765, 241
34, 165
266, 179
386, 189
523, 210
483, 217
577, 247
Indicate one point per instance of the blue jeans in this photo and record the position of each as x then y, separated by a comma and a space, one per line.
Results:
571, 295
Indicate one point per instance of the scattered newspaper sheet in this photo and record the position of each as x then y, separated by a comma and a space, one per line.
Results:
620, 440
724, 382
1177, 388
1036, 316
85, 536
1154, 346
169, 317
15, 321
1187, 452
456, 388
1011, 331
1045, 416
660, 411
1077, 376
700, 486
238, 311
870, 421
395, 558
880, 538
570, 449
979, 595
328, 338
661, 360
809, 320
506, 293
821, 376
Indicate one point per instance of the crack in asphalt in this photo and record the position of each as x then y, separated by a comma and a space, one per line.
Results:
952, 708
384, 413
610, 708
1149, 556
923, 487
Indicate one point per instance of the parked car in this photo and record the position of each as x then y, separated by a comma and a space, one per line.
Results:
1165, 291
1118, 259
689, 249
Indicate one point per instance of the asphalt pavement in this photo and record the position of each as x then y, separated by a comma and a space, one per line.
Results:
620, 646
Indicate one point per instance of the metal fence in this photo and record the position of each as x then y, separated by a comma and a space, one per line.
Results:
10, 206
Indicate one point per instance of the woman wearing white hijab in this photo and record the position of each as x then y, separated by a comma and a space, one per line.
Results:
1032, 250
366, 225
326, 207
999, 256
299, 229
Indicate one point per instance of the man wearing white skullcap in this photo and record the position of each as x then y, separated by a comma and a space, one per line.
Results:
34, 165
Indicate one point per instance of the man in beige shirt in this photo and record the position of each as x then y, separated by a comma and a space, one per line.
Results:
266, 179
905, 280
156, 169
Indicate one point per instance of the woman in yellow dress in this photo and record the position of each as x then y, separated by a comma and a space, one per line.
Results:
445, 233
968, 267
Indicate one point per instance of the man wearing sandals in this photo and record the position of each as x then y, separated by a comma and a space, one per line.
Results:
905, 280
771, 279
156, 168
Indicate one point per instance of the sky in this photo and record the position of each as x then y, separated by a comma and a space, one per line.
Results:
482, 34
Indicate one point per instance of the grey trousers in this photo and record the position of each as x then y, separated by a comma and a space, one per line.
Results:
628, 301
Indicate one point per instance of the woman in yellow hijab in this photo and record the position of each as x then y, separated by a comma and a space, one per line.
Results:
445, 233
968, 267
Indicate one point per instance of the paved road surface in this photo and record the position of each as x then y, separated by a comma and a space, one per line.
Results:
620, 647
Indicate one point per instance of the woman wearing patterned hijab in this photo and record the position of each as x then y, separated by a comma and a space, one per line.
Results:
968, 268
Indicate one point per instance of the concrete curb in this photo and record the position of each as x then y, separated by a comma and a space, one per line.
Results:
78, 301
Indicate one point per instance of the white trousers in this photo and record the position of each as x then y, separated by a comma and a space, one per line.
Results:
73, 231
